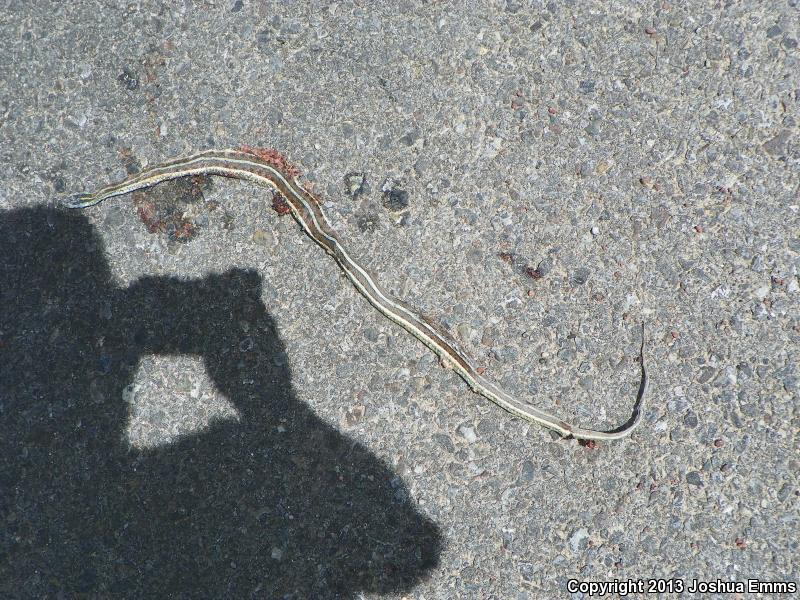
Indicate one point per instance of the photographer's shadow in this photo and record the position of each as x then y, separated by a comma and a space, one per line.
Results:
277, 504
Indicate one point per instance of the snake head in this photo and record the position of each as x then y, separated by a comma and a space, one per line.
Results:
80, 201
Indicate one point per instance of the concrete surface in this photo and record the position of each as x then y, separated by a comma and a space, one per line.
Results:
194, 401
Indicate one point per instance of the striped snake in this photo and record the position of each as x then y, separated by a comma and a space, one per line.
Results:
268, 168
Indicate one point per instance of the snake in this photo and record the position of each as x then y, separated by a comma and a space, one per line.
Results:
270, 169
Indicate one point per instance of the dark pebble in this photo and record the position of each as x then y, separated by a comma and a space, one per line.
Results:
129, 79
706, 374
445, 442
410, 138
262, 39
580, 276
777, 145
396, 200
784, 492
677, 435
694, 478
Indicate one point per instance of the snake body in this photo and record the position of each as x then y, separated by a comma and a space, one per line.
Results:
267, 168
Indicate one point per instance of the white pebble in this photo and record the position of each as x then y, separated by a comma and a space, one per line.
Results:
468, 433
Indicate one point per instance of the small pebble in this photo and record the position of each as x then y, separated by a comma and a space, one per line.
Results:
784, 492
129, 79
580, 276
396, 200
355, 184
774, 31
527, 472
468, 433
694, 478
